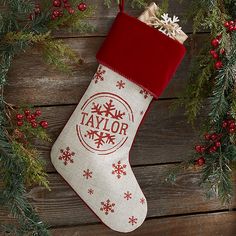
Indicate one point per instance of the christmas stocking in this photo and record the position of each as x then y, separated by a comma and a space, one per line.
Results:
92, 152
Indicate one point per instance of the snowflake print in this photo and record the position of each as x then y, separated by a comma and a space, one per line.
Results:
90, 191
66, 156
120, 84
108, 110
118, 169
87, 174
145, 93
127, 195
142, 200
107, 207
100, 138
99, 74
133, 220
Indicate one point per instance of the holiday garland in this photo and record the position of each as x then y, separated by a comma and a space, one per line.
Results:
212, 84
24, 25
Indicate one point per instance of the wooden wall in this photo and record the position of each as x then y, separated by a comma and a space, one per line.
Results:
163, 140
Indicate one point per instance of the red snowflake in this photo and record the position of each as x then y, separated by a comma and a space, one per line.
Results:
90, 191
127, 195
87, 174
142, 200
120, 84
118, 169
66, 156
145, 93
133, 220
107, 206
100, 138
99, 74
108, 110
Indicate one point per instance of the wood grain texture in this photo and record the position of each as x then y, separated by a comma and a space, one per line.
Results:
163, 137
32, 81
62, 206
217, 224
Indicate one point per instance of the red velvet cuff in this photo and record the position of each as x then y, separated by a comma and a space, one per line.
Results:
141, 53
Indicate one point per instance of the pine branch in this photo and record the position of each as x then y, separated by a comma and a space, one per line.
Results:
13, 195
60, 55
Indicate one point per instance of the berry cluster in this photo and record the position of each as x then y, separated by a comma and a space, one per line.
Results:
37, 11
216, 52
61, 5
229, 126
214, 140
31, 118
212, 146
230, 25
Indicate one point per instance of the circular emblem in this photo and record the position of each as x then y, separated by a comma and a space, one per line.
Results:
104, 123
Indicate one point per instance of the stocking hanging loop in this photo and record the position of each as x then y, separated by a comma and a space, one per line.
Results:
121, 5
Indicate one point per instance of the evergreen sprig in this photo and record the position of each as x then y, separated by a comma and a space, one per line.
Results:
216, 88
20, 166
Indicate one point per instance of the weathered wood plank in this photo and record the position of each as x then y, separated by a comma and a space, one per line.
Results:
31, 81
217, 224
103, 17
62, 206
164, 136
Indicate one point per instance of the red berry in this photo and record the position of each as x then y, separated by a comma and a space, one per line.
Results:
218, 144
207, 136
27, 112
218, 65
53, 17
231, 22
19, 116
44, 124
198, 148
232, 125
219, 36
71, 11
82, 6
65, 1
57, 3
67, 5
215, 43
31, 16
38, 112
37, 9
34, 124
214, 137
19, 123
231, 121
224, 124
203, 149
32, 117
231, 27
56, 13
226, 24
213, 149
232, 130
214, 54
222, 51
200, 161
